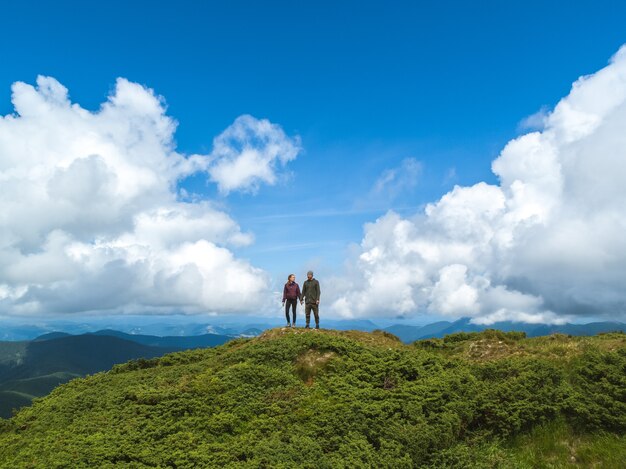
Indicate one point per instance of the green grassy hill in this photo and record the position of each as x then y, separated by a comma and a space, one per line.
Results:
296, 398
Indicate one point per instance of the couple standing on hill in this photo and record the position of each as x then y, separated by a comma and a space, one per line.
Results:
310, 294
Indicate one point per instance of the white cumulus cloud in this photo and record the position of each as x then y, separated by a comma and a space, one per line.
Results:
250, 152
545, 245
90, 219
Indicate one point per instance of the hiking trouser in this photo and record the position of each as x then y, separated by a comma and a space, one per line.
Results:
307, 312
293, 304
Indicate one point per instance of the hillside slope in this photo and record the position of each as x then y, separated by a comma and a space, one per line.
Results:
32, 369
340, 399
171, 342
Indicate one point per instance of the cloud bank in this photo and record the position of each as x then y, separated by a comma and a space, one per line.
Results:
545, 245
90, 217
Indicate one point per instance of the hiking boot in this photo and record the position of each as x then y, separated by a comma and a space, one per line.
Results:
317, 326
288, 325
293, 325
307, 327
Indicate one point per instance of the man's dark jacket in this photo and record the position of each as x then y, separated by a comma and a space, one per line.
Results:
311, 291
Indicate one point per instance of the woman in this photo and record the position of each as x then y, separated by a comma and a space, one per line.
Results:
291, 295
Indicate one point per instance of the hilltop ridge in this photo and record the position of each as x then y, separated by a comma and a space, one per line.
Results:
296, 397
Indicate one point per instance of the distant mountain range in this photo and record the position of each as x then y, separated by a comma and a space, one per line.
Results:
30, 369
246, 327
170, 334
442, 328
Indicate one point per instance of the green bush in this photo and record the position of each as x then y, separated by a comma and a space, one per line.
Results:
517, 393
599, 398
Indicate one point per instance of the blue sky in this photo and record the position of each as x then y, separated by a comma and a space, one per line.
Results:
365, 85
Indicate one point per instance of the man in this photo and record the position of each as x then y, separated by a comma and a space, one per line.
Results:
311, 294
